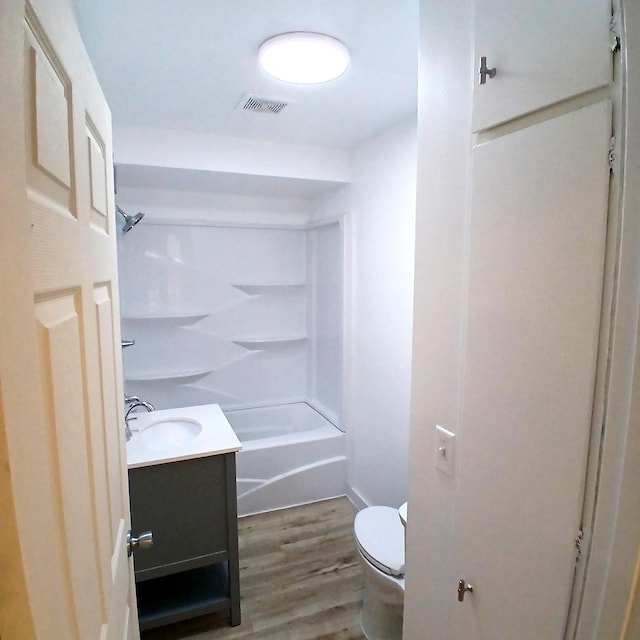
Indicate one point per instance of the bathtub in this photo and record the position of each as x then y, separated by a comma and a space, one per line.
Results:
290, 455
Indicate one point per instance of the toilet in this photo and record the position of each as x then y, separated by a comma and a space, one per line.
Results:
379, 536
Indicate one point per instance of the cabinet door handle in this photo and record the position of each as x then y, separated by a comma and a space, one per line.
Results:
484, 71
143, 541
463, 588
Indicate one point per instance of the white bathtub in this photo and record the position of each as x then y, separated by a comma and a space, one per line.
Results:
290, 455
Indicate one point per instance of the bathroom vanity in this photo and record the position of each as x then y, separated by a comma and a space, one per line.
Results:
182, 486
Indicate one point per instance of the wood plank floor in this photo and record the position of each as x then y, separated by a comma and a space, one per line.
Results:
300, 579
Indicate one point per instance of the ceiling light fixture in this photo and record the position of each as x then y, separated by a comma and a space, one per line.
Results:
303, 58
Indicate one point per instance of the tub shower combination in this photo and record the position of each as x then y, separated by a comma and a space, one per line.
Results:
290, 455
248, 317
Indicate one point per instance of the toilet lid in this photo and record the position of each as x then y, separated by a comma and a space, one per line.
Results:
380, 537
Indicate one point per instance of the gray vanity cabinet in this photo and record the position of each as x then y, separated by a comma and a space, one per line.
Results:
192, 568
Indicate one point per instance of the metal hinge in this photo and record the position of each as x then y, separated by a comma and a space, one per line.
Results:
614, 32
613, 154
579, 540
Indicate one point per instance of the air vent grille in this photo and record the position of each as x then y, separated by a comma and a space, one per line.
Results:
261, 105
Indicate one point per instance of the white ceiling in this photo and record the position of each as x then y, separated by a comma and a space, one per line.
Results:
186, 65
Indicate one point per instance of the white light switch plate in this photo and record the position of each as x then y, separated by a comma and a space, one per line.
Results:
445, 450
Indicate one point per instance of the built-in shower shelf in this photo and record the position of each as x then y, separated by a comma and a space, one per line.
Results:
258, 288
147, 376
170, 315
256, 344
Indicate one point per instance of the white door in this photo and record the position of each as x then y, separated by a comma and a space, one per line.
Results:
543, 52
60, 376
537, 240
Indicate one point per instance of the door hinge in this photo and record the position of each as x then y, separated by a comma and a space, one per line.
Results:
614, 32
613, 154
579, 541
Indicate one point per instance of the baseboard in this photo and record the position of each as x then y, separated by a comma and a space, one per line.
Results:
356, 499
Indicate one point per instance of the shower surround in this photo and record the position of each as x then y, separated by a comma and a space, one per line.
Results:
245, 316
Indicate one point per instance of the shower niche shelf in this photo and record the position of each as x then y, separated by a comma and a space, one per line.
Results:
186, 316
255, 344
258, 288
149, 376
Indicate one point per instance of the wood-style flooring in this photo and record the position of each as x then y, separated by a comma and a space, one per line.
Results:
300, 579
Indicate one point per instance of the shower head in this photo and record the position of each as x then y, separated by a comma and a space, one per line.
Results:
129, 221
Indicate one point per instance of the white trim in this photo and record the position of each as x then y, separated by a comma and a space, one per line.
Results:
327, 222
303, 225
616, 531
358, 501
348, 292
228, 224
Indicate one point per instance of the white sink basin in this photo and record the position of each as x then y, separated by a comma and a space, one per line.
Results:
169, 435
169, 432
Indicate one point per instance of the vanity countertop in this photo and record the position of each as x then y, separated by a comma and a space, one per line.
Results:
169, 435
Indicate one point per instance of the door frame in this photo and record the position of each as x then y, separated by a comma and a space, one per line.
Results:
606, 593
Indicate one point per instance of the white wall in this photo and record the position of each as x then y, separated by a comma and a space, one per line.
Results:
382, 225
236, 156
444, 114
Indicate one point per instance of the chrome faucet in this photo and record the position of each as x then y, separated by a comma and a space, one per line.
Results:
134, 403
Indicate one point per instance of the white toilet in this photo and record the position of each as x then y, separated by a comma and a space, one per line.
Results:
379, 535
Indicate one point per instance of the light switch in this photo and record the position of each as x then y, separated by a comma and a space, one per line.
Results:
445, 450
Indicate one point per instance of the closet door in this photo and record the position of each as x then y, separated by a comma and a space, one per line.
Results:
536, 252
543, 53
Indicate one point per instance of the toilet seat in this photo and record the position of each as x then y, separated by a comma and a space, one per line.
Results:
379, 535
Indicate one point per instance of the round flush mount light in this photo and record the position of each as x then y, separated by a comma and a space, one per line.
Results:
303, 58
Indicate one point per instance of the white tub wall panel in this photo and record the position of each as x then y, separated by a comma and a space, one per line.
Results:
172, 269
228, 253
276, 373
257, 379
168, 394
302, 459
277, 420
164, 267
264, 460
163, 347
325, 260
311, 484
161, 273
277, 312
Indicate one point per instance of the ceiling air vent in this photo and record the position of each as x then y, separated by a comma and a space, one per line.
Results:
261, 105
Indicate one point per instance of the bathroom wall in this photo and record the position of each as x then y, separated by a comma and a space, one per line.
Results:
379, 265
358, 251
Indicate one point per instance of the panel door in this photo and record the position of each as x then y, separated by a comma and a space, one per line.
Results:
60, 359
537, 240
541, 56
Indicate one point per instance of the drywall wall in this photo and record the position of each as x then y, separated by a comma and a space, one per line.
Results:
382, 213
444, 115
234, 156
